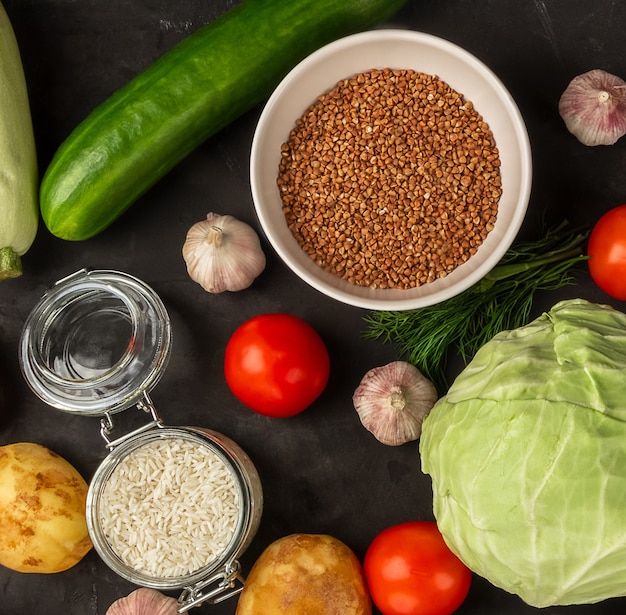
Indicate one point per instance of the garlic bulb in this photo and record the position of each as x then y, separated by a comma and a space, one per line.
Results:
144, 601
393, 400
223, 253
593, 107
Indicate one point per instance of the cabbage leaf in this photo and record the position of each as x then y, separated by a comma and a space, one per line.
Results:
527, 456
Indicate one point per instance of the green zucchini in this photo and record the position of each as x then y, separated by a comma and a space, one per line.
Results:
19, 180
129, 142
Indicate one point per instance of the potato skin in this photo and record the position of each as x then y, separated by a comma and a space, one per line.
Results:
305, 574
42, 510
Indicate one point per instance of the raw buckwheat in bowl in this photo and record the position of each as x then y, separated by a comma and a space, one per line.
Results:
391, 170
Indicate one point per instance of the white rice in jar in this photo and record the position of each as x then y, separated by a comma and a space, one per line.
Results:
170, 508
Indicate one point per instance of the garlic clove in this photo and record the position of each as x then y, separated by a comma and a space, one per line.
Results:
144, 601
593, 107
393, 400
223, 253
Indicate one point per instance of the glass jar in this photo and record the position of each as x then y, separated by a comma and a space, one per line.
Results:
94, 345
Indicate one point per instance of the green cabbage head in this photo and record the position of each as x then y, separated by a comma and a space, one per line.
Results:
527, 455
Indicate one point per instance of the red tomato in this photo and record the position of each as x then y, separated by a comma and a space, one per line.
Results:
276, 364
411, 571
607, 249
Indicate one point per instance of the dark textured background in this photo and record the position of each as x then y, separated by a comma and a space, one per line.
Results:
322, 472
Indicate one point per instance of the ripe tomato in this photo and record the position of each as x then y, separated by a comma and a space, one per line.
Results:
411, 571
276, 364
607, 249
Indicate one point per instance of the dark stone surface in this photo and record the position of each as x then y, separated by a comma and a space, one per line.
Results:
322, 472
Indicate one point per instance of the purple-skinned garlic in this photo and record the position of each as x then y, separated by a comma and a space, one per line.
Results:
393, 400
144, 601
593, 107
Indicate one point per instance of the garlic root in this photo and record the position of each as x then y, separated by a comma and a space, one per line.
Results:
393, 400
223, 253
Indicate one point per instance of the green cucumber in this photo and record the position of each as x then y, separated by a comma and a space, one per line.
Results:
19, 179
208, 80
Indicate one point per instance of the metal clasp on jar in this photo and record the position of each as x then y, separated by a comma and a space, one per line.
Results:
145, 404
224, 584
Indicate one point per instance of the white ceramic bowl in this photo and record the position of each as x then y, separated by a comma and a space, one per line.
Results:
392, 48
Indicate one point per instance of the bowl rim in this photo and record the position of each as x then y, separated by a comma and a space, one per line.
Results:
396, 299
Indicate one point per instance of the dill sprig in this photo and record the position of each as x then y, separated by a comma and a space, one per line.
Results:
502, 300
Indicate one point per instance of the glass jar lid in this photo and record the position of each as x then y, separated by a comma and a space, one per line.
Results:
95, 342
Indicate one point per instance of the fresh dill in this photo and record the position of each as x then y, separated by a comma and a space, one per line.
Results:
502, 300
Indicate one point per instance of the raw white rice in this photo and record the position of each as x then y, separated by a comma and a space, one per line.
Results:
169, 508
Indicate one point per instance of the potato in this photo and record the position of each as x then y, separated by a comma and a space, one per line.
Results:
305, 574
42, 510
